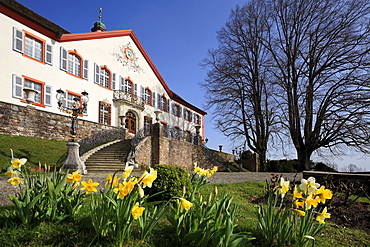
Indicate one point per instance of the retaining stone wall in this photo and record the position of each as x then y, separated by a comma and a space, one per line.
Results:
32, 122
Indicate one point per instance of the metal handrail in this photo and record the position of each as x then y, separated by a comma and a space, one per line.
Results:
100, 138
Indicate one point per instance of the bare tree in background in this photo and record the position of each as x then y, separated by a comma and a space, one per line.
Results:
236, 84
315, 55
321, 53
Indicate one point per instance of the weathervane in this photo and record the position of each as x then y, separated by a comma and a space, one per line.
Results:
100, 12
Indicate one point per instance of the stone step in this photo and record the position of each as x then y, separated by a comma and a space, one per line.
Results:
110, 158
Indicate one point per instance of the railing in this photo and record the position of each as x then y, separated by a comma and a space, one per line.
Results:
173, 133
128, 97
101, 138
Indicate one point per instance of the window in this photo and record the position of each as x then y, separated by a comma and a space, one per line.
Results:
69, 100
102, 76
197, 119
125, 85
105, 113
32, 46
35, 86
43, 96
162, 103
147, 96
187, 115
176, 110
72, 63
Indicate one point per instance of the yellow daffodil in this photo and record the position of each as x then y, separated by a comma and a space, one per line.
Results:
309, 186
127, 172
10, 173
298, 203
296, 194
14, 181
215, 168
17, 163
300, 212
89, 186
322, 216
311, 200
324, 194
121, 191
147, 179
111, 182
137, 211
185, 204
74, 177
284, 187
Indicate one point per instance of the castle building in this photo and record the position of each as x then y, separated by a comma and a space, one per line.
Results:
124, 87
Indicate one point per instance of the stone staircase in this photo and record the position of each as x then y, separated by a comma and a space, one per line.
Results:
108, 158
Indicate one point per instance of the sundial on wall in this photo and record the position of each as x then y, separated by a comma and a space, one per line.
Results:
127, 58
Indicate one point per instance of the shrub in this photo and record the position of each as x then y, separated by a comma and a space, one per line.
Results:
170, 180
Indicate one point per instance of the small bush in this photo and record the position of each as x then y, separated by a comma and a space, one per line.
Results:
170, 180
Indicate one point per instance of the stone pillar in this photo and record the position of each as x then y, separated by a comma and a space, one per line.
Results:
156, 135
73, 161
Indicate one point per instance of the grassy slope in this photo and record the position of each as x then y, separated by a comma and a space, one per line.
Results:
34, 149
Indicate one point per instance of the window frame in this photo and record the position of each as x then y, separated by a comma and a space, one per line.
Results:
107, 113
147, 95
19, 83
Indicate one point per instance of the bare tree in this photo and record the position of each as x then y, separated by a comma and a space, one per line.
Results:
237, 81
321, 54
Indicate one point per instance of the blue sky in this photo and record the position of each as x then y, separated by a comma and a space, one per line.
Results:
176, 35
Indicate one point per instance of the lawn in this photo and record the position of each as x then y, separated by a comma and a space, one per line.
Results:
36, 150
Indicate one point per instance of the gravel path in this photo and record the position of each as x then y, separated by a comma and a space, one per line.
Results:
218, 177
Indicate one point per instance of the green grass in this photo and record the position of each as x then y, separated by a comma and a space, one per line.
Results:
78, 232
34, 149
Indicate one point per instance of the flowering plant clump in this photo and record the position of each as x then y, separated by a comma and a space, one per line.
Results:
122, 202
44, 196
200, 176
300, 222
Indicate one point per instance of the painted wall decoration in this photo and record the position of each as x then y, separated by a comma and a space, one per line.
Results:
128, 58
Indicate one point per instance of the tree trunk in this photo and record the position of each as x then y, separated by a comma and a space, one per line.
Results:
304, 159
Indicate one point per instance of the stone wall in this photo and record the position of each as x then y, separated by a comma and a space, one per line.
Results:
157, 149
31, 122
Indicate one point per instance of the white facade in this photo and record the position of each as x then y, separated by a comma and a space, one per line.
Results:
111, 66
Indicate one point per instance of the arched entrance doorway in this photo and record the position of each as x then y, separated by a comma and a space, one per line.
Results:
130, 122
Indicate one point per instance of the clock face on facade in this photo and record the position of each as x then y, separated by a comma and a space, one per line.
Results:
129, 54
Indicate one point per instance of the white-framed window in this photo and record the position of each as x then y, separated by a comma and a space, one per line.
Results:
102, 76
44, 92
74, 64
104, 113
147, 96
176, 110
32, 46
125, 85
